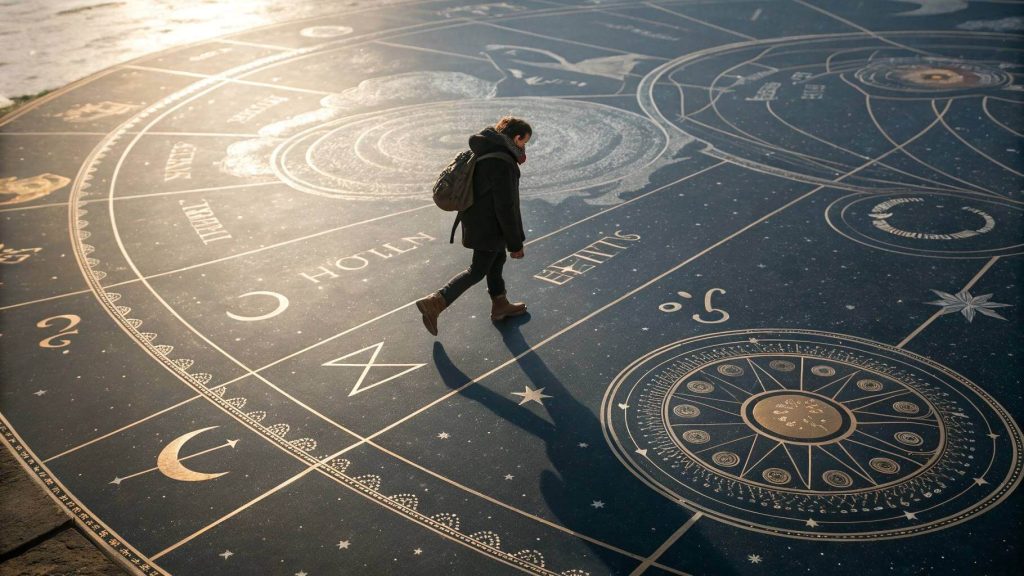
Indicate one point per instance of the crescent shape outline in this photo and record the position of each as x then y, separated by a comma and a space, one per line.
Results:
170, 464
282, 305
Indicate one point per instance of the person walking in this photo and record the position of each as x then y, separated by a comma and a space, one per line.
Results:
491, 225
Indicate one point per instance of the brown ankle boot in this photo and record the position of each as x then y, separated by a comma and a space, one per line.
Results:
501, 308
431, 307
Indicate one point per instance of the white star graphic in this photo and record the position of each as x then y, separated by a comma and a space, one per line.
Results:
530, 395
117, 480
509, 476
584, 445
966, 304
40, 392
754, 558
443, 436
910, 515
226, 554
811, 523
417, 551
980, 481
597, 504
301, 573
343, 545
993, 436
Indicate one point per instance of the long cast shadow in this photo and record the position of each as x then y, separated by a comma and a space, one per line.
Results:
578, 476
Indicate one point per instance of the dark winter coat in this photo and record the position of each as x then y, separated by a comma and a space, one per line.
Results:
494, 221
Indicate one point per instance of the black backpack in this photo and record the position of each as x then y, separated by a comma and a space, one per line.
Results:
453, 190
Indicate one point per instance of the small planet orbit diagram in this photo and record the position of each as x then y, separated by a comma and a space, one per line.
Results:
241, 228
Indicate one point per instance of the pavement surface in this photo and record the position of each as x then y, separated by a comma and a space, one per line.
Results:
771, 269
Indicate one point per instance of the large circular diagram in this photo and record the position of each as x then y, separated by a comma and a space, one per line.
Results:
812, 435
761, 104
211, 258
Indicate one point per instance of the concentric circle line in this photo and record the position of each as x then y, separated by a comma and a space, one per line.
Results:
984, 107
939, 186
646, 88
938, 119
973, 148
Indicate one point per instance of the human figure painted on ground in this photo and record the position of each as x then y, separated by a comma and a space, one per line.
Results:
491, 225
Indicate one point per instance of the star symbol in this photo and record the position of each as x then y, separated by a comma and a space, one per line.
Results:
226, 554
443, 436
301, 573
40, 393
966, 304
753, 340
642, 452
910, 515
583, 445
754, 558
811, 523
993, 435
232, 443
530, 395
116, 480
509, 476
597, 504
417, 551
624, 406
980, 481
343, 545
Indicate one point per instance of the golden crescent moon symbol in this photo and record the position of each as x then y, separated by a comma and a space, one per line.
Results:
170, 464
282, 305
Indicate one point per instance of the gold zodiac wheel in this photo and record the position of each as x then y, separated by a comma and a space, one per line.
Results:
812, 435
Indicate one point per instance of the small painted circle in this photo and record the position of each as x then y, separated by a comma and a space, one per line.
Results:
823, 371
909, 438
884, 465
777, 476
782, 365
696, 436
726, 459
904, 407
686, 411
837, 478
869, 385
700, 387
731, 370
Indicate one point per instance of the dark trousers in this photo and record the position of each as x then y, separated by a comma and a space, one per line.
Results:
486, 263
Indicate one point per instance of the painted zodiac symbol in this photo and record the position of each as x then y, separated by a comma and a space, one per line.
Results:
28, 189
72, 321
670, 307
282, 305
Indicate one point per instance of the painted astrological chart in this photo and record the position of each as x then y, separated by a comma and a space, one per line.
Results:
855, 111
812, 435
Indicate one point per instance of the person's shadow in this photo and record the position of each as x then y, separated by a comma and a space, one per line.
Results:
579, 477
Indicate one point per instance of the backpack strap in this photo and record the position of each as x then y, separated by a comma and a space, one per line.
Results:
458, 217
455, 226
